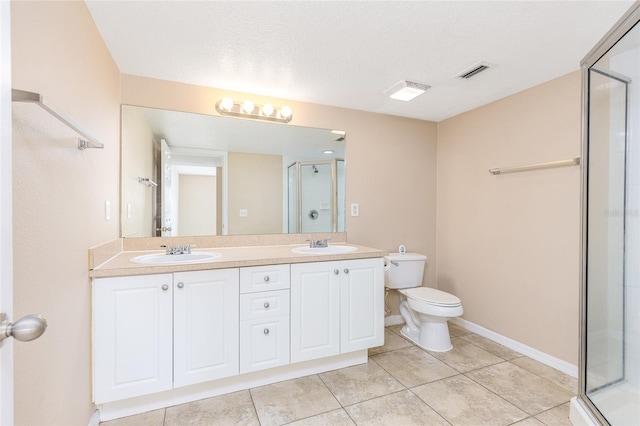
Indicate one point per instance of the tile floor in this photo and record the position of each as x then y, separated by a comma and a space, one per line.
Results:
478, 382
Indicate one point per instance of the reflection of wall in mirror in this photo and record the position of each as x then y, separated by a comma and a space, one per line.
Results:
255, 188
137, 161
197, 205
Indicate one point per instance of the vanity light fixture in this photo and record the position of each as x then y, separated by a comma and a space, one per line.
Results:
247, 109
406, 90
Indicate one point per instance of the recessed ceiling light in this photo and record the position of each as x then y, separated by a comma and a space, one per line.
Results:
328, 151
406, 90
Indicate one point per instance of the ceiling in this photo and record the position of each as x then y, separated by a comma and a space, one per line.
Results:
347, 53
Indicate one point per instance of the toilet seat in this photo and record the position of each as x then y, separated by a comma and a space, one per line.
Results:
432, 297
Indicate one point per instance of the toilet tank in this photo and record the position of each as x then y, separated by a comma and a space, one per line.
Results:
404, 270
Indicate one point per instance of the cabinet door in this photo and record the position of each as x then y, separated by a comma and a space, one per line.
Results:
206, 323
361, 304
315, 310
264, 343
132, 336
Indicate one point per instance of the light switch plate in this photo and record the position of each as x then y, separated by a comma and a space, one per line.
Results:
244, 213
355, 210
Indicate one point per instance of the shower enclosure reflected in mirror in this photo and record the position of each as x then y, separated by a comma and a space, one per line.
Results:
185, 174
316, 196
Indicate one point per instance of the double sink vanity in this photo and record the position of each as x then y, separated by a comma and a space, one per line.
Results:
232, 314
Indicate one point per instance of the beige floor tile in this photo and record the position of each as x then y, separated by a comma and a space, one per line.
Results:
392, 341
412, 366
151, 418
401, 408
396, 328
465, 356
457, 331
523, 389
292, 400
558, 416
360, 382
230, 409
549, 373
333, 418
492, 347
461, 401
529, 421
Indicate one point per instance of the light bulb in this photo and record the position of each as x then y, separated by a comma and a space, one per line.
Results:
285, 112
226, 104
267, 109
247, 106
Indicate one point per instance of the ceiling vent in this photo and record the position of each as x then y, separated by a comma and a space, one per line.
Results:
473, 71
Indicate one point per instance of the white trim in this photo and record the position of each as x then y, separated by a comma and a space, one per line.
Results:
558, 364
95, 418
393, 320
579, 415
142, 404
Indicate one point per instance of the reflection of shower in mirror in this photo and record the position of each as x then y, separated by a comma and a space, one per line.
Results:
316, 195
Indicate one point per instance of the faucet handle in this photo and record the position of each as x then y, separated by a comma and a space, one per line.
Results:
168, 247
188, 247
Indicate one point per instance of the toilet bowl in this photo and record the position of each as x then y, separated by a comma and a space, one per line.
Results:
425, 310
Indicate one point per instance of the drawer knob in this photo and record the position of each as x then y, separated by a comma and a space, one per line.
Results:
336, 271
180, 284
165, 287
266, 278
266, 305
266, 331
346, 270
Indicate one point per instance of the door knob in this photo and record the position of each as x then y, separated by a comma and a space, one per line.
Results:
25, 329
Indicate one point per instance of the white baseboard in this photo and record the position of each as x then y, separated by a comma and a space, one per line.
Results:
579, 415
558, 364
95, 419
393, 320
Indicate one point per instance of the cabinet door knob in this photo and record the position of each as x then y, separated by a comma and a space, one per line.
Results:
266, 331
266, 278
180, 284
266, 305
346, 270
336, 271
165, 287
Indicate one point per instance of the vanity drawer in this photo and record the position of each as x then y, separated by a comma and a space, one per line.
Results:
264, 278
264, 304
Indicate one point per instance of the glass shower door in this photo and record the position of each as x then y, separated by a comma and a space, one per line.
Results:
610, 380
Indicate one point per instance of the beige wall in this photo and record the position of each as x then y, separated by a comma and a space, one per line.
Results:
197, 205
508, 245
59, 198
255, 184
137, 161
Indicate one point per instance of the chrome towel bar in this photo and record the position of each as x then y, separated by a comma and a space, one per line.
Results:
560, 163
84, 142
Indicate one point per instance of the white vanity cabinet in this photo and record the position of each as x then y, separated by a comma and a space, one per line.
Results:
205, 326
264, 317
153, 333
336, 307
132, 336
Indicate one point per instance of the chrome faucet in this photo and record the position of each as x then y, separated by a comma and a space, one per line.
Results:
318, 243
178, 248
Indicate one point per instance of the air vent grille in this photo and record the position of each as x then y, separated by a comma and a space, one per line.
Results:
473, 71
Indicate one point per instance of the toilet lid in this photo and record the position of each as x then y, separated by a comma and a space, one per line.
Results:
432, 296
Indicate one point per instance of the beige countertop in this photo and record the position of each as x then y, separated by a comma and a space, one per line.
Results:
230, 257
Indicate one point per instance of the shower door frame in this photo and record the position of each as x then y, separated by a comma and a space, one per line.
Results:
619, 30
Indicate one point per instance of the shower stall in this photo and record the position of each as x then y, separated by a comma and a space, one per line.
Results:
609, 371
316, 196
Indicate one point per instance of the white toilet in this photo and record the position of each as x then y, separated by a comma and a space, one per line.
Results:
425, 310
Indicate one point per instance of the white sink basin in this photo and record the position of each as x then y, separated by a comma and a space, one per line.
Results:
167, 259
325, 250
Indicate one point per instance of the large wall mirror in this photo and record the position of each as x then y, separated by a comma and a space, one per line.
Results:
185, 174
